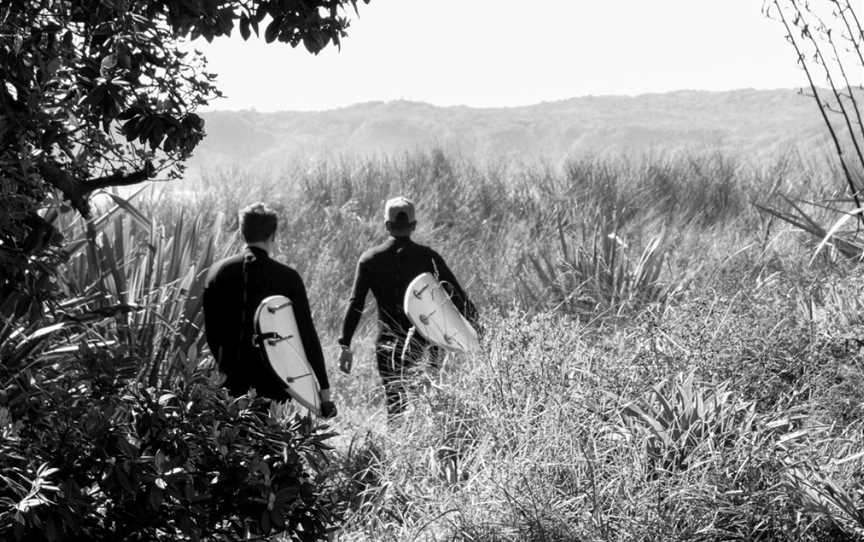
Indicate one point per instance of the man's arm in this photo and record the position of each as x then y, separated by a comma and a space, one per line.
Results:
308, 334
213, 328
460, 298
355, 305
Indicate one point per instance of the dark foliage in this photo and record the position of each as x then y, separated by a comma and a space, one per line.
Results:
85, 457
96, 94
100, 93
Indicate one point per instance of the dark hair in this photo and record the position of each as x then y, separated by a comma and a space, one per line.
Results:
400, 228
257, 223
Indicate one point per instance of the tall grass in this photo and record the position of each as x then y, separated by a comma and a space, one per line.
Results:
661, 362
153, 271
487, 221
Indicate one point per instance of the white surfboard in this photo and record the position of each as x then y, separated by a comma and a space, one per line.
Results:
436, 317
277, 328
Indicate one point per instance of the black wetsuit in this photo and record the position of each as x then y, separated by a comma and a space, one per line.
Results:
228, 320
387, 270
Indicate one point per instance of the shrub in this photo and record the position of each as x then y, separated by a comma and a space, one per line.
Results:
84, 459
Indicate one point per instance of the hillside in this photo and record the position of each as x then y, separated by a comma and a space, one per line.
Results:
755, 122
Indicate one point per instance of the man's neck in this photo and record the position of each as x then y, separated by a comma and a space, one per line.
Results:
262, 245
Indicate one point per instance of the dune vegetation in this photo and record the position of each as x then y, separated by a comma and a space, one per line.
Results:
661, 359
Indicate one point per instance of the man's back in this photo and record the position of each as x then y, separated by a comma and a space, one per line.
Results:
387, 270
235, 287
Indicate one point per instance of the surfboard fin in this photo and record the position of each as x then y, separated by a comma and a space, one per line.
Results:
279, 307
450, 339
270, 338
418, 293
277, 340
292, 379
425, 318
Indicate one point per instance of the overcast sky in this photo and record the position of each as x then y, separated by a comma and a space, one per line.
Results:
508, 52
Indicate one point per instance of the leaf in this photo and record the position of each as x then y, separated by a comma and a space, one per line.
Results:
312, 44
156, 134
123, 479
264, 522
12, 91
186, 524
159, 462
170, 144
52, 66
128, 114
47, 330
245, 32
849, 458
261, 13
155, 498
127, 448
277, 519
133, 211
130, 128
272, 31
831, 232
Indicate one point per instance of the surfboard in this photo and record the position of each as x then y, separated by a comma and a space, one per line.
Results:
279, 336
434, 315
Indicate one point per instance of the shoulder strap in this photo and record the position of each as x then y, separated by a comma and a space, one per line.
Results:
247, 258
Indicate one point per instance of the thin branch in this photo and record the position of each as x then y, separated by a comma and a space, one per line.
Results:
830, 78
855, 18
855, 44
837, 146
851, 96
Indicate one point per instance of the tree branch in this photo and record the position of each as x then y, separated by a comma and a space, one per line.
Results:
119, 179
76, 191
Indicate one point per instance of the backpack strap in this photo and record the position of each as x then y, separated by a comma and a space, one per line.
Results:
244, 293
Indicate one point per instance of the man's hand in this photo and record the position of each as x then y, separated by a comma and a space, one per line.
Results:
328, 409
346, 359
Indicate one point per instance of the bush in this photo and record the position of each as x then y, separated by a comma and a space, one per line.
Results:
147, 464
87, 453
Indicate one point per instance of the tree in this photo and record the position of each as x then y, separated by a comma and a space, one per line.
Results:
102, 93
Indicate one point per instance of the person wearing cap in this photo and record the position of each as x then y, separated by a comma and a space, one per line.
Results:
234, 288
387, 270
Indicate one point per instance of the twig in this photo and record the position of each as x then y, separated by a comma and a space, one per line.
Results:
829, 77
837, 146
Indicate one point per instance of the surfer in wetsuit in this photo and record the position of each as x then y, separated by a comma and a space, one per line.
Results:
234, 289
387, 270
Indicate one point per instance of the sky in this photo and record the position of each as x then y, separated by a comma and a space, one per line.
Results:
493, 53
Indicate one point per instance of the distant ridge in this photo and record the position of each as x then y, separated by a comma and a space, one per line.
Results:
753, 122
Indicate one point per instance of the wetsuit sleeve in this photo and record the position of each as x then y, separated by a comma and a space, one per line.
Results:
213, 323
460, 298
308, 334
355, 304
